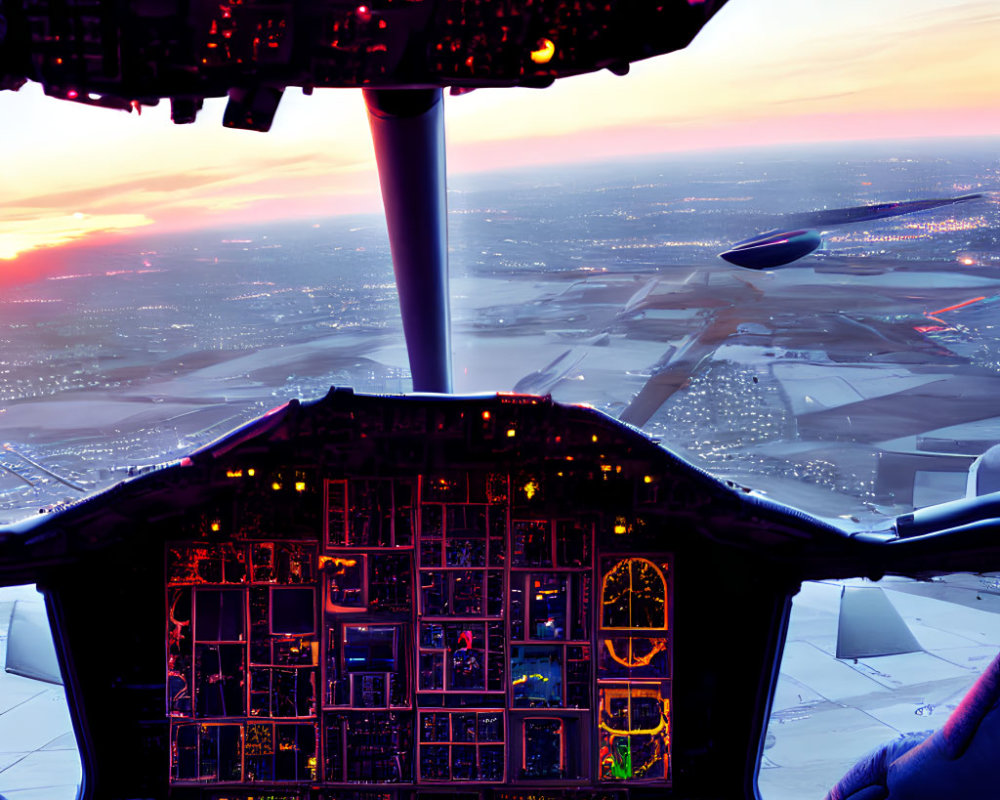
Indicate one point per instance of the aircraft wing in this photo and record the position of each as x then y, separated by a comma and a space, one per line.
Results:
797, 235
832, 217
30, 651
542, 381
680, 367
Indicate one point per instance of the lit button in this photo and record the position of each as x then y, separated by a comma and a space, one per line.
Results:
544, 51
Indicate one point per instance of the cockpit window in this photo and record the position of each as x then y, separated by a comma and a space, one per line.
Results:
812, 320
830, 383
865, 664
40, 753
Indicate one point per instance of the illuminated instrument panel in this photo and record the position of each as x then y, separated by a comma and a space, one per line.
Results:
504, 623
418, 598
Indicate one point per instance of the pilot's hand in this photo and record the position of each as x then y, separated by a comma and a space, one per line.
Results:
960, 760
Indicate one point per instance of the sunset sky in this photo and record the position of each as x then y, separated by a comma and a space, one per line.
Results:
762, 72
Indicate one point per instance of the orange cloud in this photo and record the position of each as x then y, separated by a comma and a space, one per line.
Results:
22, 236
766, 72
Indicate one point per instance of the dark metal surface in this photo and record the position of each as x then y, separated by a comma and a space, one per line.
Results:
408, 133
122, 54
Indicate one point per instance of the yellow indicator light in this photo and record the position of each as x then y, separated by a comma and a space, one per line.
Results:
251, 472
647, 478
300, 486
605, 468
618, 468
543, 52
593, 438
531, 489
511, 433
216, 527
276, 486
234, 473
621, 529
632, 659
486, 415
337, 562
524, 678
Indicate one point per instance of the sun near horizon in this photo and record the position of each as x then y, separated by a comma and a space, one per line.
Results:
762, 73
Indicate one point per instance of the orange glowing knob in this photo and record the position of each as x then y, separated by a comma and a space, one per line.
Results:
543, 52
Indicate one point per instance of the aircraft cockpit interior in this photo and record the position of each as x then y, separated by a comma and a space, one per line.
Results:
441, 596
398, 597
